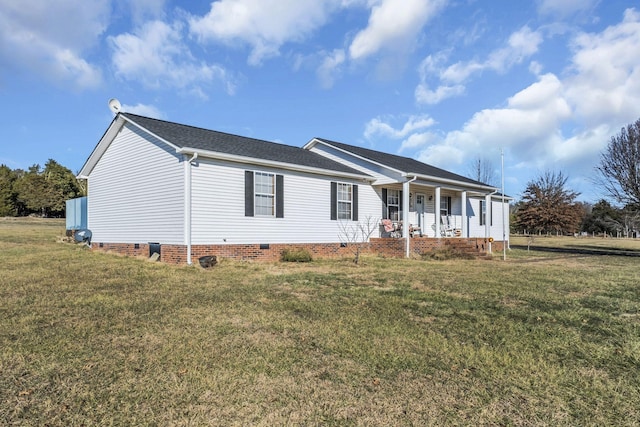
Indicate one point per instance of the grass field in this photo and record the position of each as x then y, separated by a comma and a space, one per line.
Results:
98, 339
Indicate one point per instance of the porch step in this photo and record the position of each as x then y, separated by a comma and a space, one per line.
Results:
472, 247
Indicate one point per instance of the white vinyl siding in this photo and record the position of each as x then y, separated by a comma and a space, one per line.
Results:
219, 207
477, 226
136, 192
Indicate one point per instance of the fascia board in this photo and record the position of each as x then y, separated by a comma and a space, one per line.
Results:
101, 147
262, 162
106, 140
459, 185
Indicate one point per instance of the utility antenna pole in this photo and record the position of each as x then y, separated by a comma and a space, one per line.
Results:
504, 234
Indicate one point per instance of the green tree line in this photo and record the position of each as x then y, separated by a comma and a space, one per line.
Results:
37, 191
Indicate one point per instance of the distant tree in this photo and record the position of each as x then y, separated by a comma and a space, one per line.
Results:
44, 192
482, 170
62, 185
619, 168
8, 205
31, 192
603, 218
548, 206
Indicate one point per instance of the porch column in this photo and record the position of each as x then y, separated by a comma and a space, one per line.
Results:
464, 214
405, 217
437, 212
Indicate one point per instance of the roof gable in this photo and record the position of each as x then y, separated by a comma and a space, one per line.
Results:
199, 139
402, 164
185, 138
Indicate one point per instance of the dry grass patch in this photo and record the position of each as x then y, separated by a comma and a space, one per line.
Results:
95, 339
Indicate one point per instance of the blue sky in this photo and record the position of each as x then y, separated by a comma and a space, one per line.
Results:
447, 82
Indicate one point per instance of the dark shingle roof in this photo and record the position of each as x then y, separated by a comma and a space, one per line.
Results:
184, 136
400, 163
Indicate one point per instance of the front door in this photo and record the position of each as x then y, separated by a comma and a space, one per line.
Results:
420, 210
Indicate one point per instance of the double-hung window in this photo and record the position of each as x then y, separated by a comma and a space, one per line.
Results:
393, 205
483, 213
345, 201
445, 205
264, 194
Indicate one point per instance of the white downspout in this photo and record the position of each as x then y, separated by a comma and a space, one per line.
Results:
405, 215
187, 204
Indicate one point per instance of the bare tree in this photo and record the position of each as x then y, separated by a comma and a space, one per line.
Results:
619, 168
482, 170
356, 235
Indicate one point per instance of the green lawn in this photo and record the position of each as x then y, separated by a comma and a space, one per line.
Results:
98, 339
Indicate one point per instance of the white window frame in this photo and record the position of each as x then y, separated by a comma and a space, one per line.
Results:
259, 194
445, 209
344, 204
393, 200
483, 213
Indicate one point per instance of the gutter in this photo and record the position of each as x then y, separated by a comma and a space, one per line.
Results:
272, 163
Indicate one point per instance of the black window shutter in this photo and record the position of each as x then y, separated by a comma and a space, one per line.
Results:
279, 196
385, 214
248, 193
334, 201
399, 203
355, 202
449, 207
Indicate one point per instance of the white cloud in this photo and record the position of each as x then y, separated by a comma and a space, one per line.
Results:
264, 25
379, 127
559, 122
142, 10
605, 81
143, 110
157, 56
529, 124
419, 139
564, 8
393, 25
50, 40
424, 95
330, 67
521, 45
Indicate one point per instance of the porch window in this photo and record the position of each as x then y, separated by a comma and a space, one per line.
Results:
393, 205
445, 205
483, 213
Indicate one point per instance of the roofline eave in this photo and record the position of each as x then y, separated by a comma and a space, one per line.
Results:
483, 188
271, 163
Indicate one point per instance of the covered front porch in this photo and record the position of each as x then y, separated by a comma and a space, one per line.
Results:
418, 207
436, 211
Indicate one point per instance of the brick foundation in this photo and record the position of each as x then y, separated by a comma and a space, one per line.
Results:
386, 247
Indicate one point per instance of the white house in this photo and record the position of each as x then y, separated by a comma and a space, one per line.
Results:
186, 192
